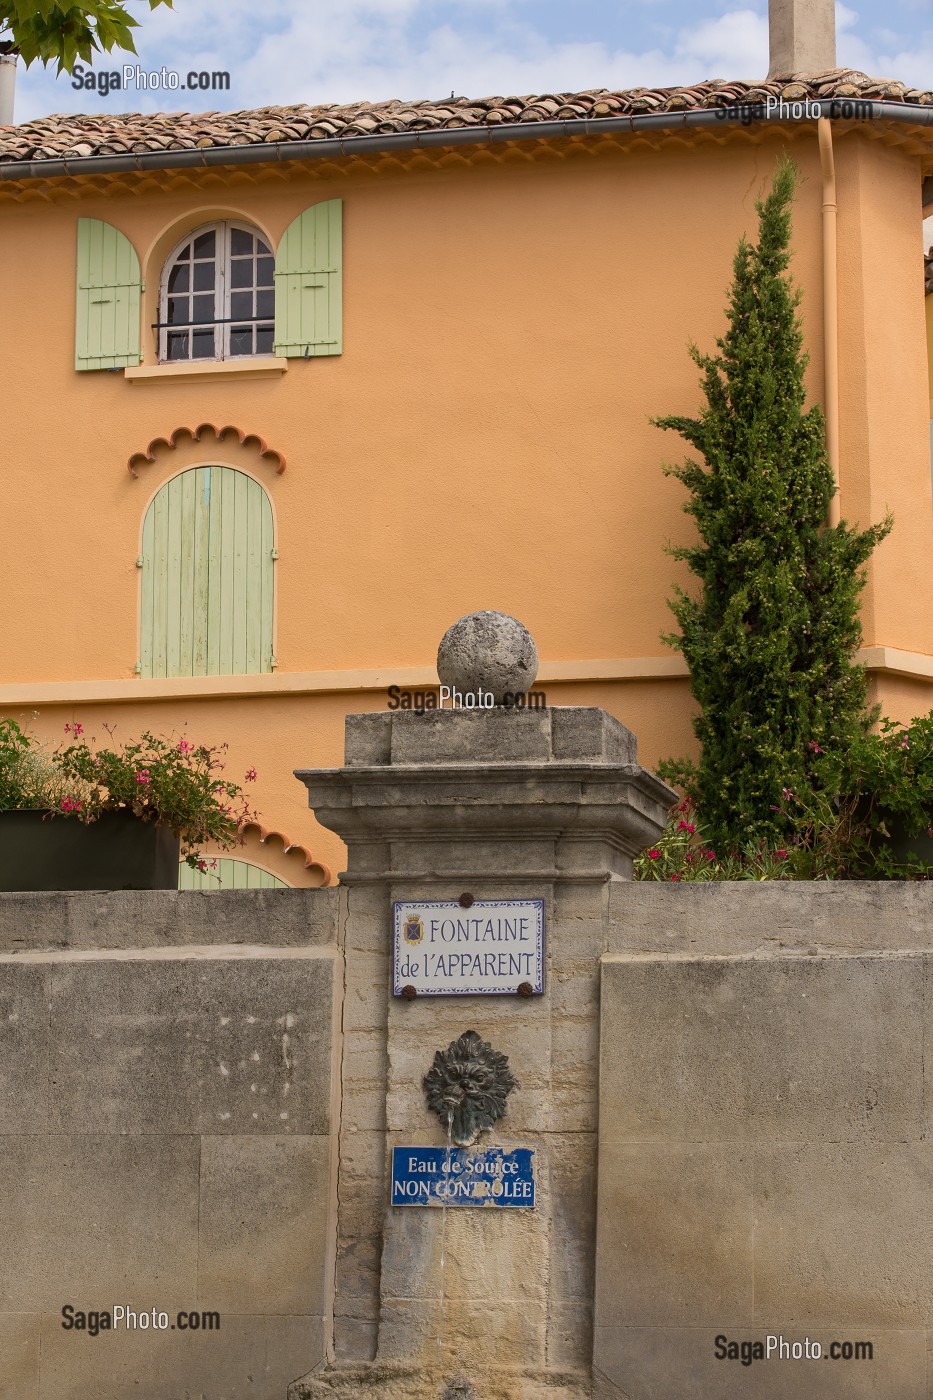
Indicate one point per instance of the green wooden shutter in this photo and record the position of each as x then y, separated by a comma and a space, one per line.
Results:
309, 283
207, 576
228, 875
108, 288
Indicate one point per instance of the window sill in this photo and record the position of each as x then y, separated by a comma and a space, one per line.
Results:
198, 371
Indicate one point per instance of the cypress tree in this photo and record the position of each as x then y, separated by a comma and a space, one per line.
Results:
771, 635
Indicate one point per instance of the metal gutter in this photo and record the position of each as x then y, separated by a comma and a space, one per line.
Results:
339, 146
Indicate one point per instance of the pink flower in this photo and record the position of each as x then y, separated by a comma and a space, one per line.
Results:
71, 804
686, 826
904, 744
814, 746
142, 775
675, 877
781, 854
184, 747
786, 793
250, 775
654, 854
202, 864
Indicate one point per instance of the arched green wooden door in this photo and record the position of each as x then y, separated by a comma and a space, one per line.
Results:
228, 875
207, 576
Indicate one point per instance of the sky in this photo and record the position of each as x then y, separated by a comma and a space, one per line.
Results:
279, 52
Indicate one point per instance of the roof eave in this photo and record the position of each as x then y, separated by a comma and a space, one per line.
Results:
330, 147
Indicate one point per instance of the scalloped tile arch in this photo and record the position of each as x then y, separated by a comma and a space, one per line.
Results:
266, 453
267, 835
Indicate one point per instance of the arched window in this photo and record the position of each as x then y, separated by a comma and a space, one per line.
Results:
227, 874
217, 297
207, 577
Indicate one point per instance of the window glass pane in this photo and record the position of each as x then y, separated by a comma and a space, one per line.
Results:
177, 309
264, 340
204, 276
203, 312
241, 304
178, 345
185, 252
241, 340
241, 272
265, 304
241, 241
261, 247
204, 245
203, 345
178, 278
264, 271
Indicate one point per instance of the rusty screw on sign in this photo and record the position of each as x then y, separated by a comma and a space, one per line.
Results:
465, 901
409, 992
524, 989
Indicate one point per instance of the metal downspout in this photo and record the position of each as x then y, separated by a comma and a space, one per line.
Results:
830, 310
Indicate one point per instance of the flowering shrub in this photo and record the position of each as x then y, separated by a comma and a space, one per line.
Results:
854, 819
158, 779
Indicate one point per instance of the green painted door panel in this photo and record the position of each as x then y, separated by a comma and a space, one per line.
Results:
308, 283
207, 577
107, 298
228, 875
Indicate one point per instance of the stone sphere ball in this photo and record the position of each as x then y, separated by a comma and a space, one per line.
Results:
487, 651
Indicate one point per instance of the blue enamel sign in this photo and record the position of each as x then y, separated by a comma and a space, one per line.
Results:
462, 1176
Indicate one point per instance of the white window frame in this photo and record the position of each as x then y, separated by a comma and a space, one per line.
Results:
223, 230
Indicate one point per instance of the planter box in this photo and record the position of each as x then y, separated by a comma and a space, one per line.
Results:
118, 852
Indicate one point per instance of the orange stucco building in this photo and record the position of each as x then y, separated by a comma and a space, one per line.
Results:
517, 281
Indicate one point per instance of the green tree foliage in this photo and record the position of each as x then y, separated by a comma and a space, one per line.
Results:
771, 635
56, 31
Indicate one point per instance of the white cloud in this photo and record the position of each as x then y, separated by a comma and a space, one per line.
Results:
286, 52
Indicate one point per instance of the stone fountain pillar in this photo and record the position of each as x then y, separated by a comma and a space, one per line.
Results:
475, 805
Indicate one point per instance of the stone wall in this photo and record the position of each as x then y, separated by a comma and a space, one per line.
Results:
765, 1165
167, 1066
200, 1092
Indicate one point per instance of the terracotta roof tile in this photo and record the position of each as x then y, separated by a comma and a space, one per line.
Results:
51, 138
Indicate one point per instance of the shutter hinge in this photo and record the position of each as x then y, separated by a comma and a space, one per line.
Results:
273, 662
275, 554
138, 668
139, 562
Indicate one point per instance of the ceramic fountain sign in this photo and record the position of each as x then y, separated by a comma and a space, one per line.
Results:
489, 947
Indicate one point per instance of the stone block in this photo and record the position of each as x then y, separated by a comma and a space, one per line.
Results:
581, 734
571, 1164
457, 1334
249, 1358
19, 1355
238, 1045
570, 1335
264, 1224
471, 736
675, 1235
367, 740
90, 1220
25, 990
166, 919
661, 1363
844, 1234
473, 1254
747, 1049
730, 918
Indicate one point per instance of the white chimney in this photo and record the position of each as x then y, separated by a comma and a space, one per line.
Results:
802, 36
7, 87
